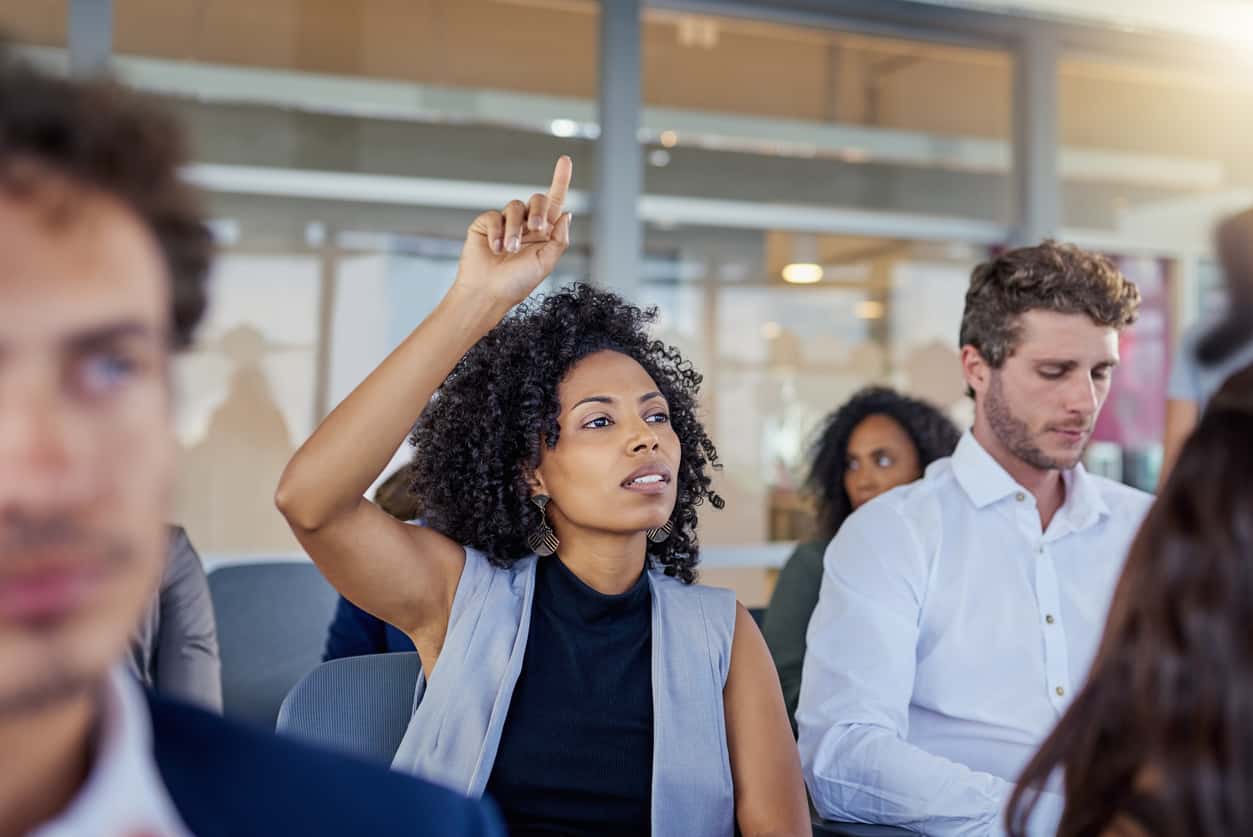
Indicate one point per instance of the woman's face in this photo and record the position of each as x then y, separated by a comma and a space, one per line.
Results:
880, 457
615, 466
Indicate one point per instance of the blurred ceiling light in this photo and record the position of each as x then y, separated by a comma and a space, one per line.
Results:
802, 273
563, 128
659, 157
669, 139
871, 309
804, 268
697, 31
771, 331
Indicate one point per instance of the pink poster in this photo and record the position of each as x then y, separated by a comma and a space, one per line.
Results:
1135, 414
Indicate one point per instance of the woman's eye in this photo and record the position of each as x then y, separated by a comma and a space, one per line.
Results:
658, 418
852, 465
885, 461
599, 421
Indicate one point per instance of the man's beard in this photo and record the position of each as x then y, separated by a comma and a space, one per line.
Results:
1014, 434
48, 689
57, 679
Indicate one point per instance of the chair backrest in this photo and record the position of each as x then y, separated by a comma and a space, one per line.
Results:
830, 828
355, 705
272, 618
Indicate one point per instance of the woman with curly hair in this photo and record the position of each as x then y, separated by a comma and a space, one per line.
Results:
878, 440
574, 671
1159, 742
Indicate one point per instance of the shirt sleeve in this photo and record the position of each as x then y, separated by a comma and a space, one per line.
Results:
187, 661
791, 604
857, 687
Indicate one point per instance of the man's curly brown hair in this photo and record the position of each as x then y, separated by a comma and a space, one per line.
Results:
1048, 277
103, 137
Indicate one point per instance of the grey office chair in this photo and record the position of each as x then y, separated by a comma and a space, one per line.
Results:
828, 828
355, 705
272, 618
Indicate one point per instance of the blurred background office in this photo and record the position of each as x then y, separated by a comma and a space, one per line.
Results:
803, 187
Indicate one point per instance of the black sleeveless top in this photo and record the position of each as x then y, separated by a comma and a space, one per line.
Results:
576, 752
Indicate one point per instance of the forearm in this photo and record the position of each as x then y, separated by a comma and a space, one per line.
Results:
867, 773
331, 471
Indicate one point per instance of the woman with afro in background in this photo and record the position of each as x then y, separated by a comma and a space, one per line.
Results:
878, 440
573, 670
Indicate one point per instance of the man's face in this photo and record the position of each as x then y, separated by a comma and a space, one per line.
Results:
86, 446
1042, 404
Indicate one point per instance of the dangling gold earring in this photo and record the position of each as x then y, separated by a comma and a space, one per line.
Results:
660, 534
543, 541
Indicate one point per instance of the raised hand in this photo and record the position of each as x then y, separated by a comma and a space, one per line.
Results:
508, 253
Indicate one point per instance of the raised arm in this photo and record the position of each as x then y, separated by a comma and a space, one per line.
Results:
1181, 419
407, 575
1183, 403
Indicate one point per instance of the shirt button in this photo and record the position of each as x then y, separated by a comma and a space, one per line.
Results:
1020, 496
1048, 617
1060, 691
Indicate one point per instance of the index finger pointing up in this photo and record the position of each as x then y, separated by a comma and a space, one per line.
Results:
562, 173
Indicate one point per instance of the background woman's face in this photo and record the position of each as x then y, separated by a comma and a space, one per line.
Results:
880, 457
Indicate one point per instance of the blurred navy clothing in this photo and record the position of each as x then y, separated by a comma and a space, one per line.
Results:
234, 781
354, 633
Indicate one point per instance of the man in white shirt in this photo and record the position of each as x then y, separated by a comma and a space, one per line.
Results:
103, 263
959, 614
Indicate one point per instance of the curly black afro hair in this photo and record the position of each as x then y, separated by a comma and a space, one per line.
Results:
932, 433
480, 438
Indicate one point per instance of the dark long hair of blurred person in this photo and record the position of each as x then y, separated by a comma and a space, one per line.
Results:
1234, 331
1160, 740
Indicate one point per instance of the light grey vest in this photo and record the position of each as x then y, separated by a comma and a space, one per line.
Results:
456, 727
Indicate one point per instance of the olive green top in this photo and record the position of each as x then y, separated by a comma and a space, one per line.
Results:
795, 596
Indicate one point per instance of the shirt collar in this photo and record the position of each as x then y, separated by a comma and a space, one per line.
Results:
980, 476
1085, 505
986, 482
123, 793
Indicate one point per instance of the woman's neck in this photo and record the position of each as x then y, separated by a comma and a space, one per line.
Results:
608, 563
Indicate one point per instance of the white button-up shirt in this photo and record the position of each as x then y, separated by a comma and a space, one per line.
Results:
123, 795
950, 635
